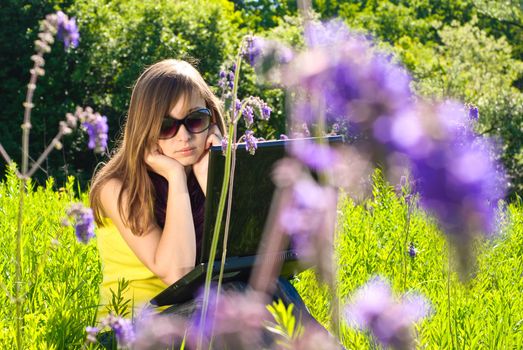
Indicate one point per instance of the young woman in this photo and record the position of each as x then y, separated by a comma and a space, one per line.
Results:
148, 199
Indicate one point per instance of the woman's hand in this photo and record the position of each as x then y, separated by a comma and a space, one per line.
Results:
162, 164
200, 168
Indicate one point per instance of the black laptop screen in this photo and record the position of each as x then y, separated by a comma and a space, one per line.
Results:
252, 194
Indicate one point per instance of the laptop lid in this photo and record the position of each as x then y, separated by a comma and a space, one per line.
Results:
252, 195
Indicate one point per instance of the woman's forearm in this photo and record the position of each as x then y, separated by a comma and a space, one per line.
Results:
176, 252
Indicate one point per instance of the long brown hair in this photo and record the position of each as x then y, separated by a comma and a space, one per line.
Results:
154, 95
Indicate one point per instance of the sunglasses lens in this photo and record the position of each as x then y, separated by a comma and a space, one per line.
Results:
169, 128
198, 121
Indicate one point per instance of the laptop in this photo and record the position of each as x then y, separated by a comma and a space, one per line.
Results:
252, 195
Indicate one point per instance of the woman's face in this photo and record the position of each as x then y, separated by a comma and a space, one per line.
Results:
186, 147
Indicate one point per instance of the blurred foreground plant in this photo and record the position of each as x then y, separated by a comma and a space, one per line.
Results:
342, 79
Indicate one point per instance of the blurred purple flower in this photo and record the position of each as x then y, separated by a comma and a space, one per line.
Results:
309, 218
91, 332
265, 111
124, 331
122, 328
326, 34
251, 143
314, 338
253, 48
374, 308
316, 156
67, 30
224, 145
460, 178
97, 128
283, 137
225, 313
84, 222
248, 115
157, 331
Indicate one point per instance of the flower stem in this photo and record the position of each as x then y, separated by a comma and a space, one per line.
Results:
407, 229
227, 181
43, 156
18, 266
216, 234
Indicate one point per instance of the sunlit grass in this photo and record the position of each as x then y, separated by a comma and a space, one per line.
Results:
61, 276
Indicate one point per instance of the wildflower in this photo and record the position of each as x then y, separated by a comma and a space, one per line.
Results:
251, 143
390, 322
253, 48
84, 222
157, 331
248, 115
92, 332
316, 156
124, 331
122, 328
309, 217
224, 145
412, 250
265, 111
473, 112
225, 312
314, 338
97, 129
67, 30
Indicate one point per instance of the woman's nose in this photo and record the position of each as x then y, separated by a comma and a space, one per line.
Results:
183, 134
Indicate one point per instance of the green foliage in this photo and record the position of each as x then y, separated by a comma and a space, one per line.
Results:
285, 326
118, 40
484, 314
119, 305
61, 277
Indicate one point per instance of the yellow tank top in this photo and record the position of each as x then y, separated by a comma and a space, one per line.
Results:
119, 261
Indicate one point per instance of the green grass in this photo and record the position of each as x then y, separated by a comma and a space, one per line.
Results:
485, 313
61, 279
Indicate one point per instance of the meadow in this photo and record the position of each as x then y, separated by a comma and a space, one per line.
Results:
61, 276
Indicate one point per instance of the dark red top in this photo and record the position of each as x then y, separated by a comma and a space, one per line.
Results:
161, 187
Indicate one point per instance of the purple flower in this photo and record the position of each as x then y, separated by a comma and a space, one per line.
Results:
459, 177
316, 156
309, 218
122, 328
412, 250
84, 222
253, 49
390, 322
283, 137
473, 112
265, 111
97, 128
225, 312
248, 115
224, 144
251, 143
67, 30
124, 331
92, 332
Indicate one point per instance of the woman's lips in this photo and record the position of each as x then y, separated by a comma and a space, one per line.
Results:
185, 152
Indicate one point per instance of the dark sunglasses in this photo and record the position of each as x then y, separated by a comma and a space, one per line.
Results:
195, 122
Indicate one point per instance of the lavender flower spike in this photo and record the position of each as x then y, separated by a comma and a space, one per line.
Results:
67, 30
84, 222
97, 128
389, 321
251, 142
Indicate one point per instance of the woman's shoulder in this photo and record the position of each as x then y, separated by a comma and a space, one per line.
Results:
110, 192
